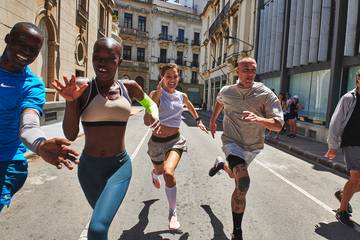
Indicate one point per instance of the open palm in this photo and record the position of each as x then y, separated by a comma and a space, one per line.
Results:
70, 90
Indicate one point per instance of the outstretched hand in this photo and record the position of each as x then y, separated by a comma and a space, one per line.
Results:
56, 152
70, 91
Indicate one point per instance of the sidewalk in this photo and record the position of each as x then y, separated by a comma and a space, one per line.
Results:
301, 147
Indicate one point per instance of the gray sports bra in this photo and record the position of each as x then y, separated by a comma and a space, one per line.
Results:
101, 111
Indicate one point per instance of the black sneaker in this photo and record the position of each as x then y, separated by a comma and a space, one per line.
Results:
218, 165
344, 217
337, 194
236, 237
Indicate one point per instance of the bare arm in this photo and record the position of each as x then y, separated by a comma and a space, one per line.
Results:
71, 120
214, 116
193, 112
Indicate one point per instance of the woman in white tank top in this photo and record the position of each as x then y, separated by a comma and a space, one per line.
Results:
166, 145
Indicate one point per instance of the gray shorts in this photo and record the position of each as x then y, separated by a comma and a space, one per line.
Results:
237, 150
352, 157
159, 147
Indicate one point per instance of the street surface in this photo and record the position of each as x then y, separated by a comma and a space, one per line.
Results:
289, 198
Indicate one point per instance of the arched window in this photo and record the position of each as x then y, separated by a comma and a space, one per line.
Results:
43, 58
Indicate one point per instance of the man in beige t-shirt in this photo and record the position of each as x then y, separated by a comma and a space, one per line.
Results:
249, 108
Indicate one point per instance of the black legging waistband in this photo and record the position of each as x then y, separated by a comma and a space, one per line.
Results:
165, 139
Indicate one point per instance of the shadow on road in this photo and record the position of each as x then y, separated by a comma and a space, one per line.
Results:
336, 231
137, 231
216, 224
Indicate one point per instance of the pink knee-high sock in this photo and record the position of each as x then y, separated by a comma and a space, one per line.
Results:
171, 196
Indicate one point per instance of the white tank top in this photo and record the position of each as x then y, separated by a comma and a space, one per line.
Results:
171, 108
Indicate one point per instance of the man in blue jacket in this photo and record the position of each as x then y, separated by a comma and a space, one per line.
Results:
344, 132
22, 98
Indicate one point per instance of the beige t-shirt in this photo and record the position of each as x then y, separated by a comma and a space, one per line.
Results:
259, 100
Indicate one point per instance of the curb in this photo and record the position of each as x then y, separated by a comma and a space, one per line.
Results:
297, 152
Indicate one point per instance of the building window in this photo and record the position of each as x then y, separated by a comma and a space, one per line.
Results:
195, 62
194, 78
102, 21
235, 26
142, 24
127, 53
164, 31
163, 55
179, 58
181, 35
141, 54
196, 38
312, 89
82, 4
180, 75
127, 20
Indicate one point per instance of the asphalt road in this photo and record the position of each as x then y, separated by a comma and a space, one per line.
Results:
289, 198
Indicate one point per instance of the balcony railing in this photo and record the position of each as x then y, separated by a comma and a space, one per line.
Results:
82, 11
195, 42
101, 32
180, 62
133, 31
194, 81
165, 37
163, 60
195, 64
182, 40
220, 18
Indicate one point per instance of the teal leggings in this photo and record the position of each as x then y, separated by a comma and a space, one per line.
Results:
104, 182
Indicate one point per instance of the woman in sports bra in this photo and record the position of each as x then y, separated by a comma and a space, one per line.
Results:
103, 104
166, 145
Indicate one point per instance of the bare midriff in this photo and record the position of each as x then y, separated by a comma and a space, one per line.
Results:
104, 141
165, 131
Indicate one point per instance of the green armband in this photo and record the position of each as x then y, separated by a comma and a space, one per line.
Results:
150, 106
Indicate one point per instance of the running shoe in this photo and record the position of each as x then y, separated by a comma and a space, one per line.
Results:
338, 196
155, 179
173, 222
238, 237
218, 165
344, 217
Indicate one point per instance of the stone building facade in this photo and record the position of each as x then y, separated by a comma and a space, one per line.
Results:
156, 32
228, 32
70, 29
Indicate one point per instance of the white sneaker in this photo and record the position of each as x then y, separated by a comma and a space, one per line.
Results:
173, 221
155, 179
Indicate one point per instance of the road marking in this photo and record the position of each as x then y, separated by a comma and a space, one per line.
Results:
83, 235
320, 203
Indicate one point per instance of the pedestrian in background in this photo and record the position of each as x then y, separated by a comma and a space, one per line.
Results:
21, 105
294, 108
344, 132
